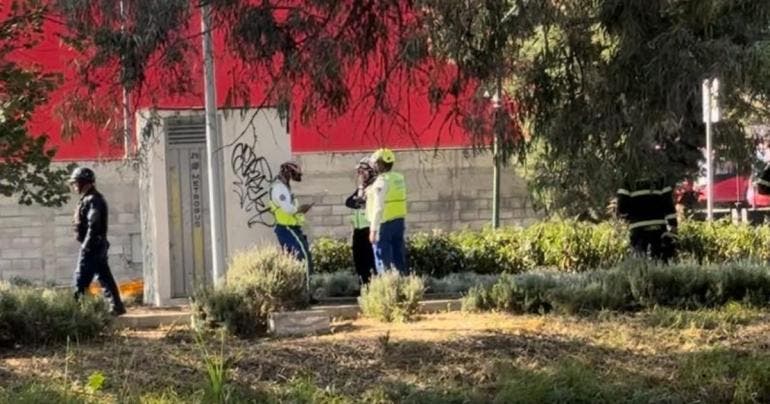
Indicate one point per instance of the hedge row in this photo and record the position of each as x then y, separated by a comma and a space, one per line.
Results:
633, 285
567, 245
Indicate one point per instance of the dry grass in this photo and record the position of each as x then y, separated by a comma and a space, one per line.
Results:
441, 351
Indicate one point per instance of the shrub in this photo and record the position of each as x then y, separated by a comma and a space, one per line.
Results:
434, 254
458, 283
271, 274
566, 245
570, 245
331, 255
258, 282
30, 315
391, 297
633, 285
493, 251
239, 314
476, 300
336, 284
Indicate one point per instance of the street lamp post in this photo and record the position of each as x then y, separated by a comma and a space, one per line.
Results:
496, 104
710, 88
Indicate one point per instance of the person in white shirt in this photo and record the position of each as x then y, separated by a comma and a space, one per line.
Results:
386, 212
289, 217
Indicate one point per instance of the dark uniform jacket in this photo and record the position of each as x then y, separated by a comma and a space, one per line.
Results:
91, 221
647, 204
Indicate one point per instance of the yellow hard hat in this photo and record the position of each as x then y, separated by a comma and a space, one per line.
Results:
386, 155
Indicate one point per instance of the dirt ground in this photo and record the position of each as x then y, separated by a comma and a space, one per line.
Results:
451, 350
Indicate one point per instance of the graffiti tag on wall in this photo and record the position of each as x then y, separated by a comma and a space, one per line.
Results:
252, 184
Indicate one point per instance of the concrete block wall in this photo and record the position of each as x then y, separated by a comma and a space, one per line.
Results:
448, 190
37, 243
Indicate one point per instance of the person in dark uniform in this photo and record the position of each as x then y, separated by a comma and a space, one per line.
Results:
90, 222
363, 254
647, 205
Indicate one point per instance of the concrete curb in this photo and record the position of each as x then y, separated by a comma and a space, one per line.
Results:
181, 316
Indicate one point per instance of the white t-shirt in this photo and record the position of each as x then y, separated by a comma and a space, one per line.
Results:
281, 195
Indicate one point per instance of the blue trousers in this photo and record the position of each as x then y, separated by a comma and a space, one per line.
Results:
293, 240
390, 249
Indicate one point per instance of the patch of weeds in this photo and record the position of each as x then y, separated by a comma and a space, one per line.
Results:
726, 318
303, 390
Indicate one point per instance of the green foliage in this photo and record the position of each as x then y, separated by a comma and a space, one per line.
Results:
633, 285
492, 251
392, 297
25, 158
269, 273
635, 68
727, 317
331, 255
434, 254
337, 284
458, 282
565, 245
576, 246
722, 241
30, 316
259, 281
35, 393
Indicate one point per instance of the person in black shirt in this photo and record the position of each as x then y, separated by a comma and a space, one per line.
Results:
90, 226
363, 254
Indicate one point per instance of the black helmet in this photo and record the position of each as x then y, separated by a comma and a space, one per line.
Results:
83, 174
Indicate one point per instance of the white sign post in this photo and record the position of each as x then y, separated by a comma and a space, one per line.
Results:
710, 90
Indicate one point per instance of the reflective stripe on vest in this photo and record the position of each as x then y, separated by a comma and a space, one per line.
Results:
647, 223
359, 220
282, 217
395, 199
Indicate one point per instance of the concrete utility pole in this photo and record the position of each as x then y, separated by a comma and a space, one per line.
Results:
710, 88
213, 143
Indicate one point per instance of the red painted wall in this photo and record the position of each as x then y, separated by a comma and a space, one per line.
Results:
414, 125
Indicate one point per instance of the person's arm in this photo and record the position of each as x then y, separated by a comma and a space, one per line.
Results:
377, 199
95, 217
353, 201
282, 197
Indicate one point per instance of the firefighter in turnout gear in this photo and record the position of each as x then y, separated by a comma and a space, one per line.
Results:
90, 227
386, 212
363, 254
647, 205
289, 218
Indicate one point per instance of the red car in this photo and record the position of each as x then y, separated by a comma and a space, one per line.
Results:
730, 190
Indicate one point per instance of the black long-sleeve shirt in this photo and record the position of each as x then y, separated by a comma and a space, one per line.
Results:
354, 202
91, 224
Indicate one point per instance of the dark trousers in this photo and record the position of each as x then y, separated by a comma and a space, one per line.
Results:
649, 242
93, 264
363, 254
390, 251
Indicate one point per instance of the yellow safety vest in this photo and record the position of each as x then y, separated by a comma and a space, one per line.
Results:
395, 199
359, 220
282, 217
